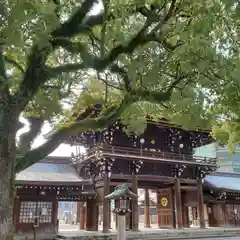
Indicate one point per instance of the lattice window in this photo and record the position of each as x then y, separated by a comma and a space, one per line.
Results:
46, 212
29, 209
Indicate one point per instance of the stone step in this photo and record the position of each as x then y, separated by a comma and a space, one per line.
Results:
160, 235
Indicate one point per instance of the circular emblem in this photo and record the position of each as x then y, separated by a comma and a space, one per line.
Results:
164, 202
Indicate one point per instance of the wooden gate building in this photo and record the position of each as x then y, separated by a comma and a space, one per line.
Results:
224, 205
161, 159
40, 187
189, 192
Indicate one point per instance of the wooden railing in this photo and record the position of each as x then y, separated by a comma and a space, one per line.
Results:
140, 153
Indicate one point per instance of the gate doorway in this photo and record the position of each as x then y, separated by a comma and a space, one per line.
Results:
193, 217
67, 216
165, 208
233, 215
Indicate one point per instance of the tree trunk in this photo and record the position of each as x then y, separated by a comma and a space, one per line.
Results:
7, 174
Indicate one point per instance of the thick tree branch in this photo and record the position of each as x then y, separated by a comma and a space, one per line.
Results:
3, 75
143, 94
14, 63
4, 86
109, 84
34, 77
63, 133
70, 27
92, 21
91, 61
171, 10
35, 74
123, 73
59, 136
27, 138
66, 68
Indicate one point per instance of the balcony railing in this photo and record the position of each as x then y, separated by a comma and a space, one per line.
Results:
134, 153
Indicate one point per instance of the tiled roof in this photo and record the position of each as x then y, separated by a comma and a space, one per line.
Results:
223, 181
52, 171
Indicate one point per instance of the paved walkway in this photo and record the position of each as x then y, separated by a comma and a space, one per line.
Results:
156, 234
228, 238
69, 227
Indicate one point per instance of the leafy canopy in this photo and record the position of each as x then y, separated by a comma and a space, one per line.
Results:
176, 59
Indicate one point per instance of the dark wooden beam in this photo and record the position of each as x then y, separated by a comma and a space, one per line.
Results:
91, 221
188, 188
82, 216
147, 209
201, 203
152, 178
135, 213
178, 199
106, 204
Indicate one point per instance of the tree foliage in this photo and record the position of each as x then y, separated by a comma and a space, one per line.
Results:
171, 59
175, 59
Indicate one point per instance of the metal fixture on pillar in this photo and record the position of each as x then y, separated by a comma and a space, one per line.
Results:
180, 148
142, 141
123, 195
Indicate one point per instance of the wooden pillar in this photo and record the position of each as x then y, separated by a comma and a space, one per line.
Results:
82, 216
78, 212
55, 221
178, 201
92, 216
158, 208
106, 203
224, 214
174, 221
89, 219
95, 216
147, 209
135, 213
200, 203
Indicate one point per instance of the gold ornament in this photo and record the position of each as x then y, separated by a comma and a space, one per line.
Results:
164, 201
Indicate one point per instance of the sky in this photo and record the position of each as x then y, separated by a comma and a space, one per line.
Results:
64, 150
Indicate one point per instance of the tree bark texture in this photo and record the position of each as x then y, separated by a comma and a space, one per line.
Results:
7, 174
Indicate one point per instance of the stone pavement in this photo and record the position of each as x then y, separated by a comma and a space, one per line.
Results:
70, 232
160, 234
229, 238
